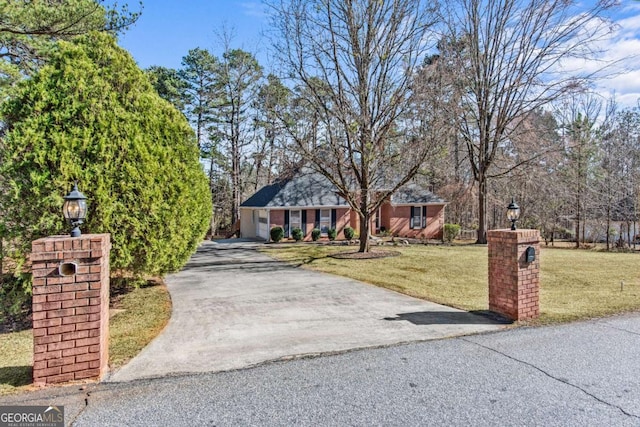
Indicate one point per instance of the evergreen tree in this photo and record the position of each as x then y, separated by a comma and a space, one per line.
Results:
91, 115
28, 29
169, 85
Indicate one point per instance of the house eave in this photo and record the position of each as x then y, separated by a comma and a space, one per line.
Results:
419, 204
271, 208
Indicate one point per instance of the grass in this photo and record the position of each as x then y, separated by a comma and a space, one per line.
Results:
16, 359
146, 311
141, 314
574, 284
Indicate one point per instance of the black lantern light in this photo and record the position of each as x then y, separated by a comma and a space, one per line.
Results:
513, 213
75, 210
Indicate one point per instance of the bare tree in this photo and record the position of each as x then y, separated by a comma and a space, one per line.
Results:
272, 100
354, 62
578, 119
618, 184
512, 57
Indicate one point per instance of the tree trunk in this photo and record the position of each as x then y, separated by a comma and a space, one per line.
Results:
608, 232
621, 238
482, 210
577, 226
364, 233
235, 182
214, 223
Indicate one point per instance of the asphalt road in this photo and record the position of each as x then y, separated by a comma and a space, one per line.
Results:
581, 374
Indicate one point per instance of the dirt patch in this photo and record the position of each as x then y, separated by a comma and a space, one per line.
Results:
365, 255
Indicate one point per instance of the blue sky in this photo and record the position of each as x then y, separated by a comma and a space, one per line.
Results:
167, 30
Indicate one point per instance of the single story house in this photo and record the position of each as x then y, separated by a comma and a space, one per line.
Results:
308, 200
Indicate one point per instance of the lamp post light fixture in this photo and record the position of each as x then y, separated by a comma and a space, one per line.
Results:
513, 213
75, 210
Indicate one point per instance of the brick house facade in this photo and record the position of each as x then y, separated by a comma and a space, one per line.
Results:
307, 200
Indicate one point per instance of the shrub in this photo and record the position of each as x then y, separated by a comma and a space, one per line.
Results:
297, 234
277, 234
349, 232
451, 231
315, 234
332, 233
91, 115
15, 301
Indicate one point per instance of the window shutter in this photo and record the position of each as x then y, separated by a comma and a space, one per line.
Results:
424, 217
411, 226
317, 222
333, 218
286, 223
304, 222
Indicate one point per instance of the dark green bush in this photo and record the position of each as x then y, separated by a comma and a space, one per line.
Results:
315, 234
297, 234
15, 301
349, 232
332, 233
91, 115
277, 234
451, 231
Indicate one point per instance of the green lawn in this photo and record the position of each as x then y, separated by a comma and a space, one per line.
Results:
574, 284
142, 313
145, 313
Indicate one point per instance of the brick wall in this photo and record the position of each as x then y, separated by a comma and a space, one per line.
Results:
276, 219
398, 223
342, 221
514, 284
70, 312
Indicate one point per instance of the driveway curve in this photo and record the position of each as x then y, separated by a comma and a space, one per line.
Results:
234, 307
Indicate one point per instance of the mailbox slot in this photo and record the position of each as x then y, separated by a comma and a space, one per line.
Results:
530, 254
67, 268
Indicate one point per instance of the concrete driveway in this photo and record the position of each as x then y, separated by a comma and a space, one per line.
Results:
234, 307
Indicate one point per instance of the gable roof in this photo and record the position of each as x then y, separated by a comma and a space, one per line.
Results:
305, 188
414, 194
309, 188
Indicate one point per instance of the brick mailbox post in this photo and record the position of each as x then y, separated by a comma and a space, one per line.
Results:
70, 308
514, 273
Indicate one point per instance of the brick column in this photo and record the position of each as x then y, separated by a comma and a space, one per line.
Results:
70, 308
514, 285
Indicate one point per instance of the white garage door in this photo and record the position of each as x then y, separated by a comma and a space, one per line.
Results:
263, 225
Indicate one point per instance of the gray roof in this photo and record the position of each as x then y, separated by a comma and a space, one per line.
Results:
414, 194
305, 188
308, 188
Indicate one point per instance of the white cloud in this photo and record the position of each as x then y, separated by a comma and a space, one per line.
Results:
623, 48
617, 61
254, 9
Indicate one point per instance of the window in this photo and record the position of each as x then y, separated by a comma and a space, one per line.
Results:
418, 217
295, 220
325, 220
